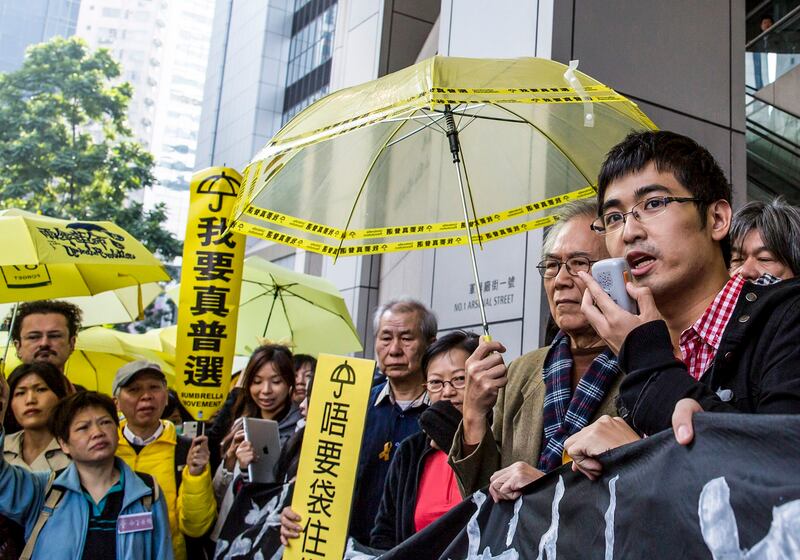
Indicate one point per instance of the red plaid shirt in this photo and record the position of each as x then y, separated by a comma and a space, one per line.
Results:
699, 342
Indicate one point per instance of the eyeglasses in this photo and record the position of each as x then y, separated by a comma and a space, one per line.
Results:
642, 211
437, 385
549, 268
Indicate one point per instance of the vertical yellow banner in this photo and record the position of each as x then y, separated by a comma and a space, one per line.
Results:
211, 280
323, 491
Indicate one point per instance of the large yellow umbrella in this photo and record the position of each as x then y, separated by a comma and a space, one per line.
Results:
446, 152
99, 353
303, 311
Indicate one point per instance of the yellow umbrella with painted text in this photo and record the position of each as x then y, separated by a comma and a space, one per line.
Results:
45, 258
50, 258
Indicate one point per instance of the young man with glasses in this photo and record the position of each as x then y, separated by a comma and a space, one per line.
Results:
702, 340
545, 395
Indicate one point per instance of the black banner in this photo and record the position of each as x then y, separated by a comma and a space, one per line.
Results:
733, 494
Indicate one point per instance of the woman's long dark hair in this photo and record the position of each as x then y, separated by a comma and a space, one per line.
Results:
281, 359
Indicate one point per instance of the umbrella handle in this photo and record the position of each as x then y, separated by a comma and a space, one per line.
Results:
8, 340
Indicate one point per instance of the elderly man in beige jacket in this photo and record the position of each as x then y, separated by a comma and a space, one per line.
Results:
545, 395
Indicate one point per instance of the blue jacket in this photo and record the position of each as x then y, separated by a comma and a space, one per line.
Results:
386, 424
22, 495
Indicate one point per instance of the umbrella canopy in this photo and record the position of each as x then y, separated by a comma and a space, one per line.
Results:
107, 308
52, 258
287, 307
370, 169
99, 353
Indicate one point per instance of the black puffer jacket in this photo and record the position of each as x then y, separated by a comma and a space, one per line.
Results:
756, 368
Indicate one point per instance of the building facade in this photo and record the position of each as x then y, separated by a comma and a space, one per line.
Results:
27, 22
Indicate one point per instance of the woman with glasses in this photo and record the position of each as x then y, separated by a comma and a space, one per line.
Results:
548, 394
421, 485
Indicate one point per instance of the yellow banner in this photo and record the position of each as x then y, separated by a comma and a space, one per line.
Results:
326, 477
211, 280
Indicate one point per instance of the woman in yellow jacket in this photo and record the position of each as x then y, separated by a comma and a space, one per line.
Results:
148, 444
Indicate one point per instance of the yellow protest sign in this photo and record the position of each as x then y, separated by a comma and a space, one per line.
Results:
211, 280
326, 477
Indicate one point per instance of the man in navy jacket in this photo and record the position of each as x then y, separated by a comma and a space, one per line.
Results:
403, 330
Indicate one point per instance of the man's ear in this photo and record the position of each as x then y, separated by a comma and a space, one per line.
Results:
719, 219
17, 345
72, 341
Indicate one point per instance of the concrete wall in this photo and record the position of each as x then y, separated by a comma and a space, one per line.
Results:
243, 100
682, 62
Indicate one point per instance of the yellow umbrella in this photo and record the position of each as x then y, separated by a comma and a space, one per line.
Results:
156, 342
449, 151
98, 354
51, 258
305, 312
108, 308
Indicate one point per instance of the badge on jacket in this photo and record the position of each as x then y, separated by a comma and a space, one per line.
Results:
135, 522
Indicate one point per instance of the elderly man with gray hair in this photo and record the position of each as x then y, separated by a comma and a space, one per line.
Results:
548, 394
764, 241
404, 328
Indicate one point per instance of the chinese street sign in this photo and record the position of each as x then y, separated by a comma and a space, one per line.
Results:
323, 492
211, 280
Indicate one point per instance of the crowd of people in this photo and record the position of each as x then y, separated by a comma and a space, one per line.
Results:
97, 476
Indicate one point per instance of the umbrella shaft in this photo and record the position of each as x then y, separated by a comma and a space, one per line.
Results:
472, 251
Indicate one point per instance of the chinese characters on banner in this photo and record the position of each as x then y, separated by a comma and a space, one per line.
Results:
211, 280
323, 491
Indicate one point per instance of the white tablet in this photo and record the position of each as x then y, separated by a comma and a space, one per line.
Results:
265, 437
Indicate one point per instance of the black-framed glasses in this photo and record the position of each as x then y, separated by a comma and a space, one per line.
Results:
549, 268
437, 385
641, 211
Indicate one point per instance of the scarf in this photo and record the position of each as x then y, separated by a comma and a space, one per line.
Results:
565, 413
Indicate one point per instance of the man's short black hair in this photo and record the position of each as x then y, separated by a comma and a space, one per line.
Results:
464, 340
692, 165
67, 409
72, 313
